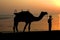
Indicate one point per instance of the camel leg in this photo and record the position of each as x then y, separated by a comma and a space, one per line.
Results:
29, 27
25, 27
15, 28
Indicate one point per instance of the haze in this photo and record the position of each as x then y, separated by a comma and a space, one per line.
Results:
34, 6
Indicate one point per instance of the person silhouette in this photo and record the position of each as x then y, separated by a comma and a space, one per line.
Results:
50, 22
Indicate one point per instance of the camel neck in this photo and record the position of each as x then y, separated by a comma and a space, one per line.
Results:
41, 16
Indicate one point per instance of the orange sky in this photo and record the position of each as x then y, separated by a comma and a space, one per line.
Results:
8, 6
34, 6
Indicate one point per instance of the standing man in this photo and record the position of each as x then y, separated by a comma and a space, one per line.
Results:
50, 22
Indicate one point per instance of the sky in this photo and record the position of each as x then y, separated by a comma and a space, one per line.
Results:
34, 6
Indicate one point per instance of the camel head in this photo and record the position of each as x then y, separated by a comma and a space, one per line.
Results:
44, 13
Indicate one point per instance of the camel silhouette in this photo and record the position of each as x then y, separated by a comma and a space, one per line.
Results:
27, 17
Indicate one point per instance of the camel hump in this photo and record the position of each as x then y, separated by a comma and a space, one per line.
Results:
26, 13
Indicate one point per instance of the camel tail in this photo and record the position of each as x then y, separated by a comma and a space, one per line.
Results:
15, 13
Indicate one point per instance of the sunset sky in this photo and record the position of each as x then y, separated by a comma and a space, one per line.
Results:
8, 6
34, 6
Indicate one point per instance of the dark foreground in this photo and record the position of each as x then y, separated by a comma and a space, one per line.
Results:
30, 35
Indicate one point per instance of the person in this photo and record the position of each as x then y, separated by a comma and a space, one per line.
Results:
50, 22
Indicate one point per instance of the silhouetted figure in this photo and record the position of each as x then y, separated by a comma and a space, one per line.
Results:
50, 22
27, 17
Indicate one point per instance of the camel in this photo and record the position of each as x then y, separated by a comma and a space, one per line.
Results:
27, 17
